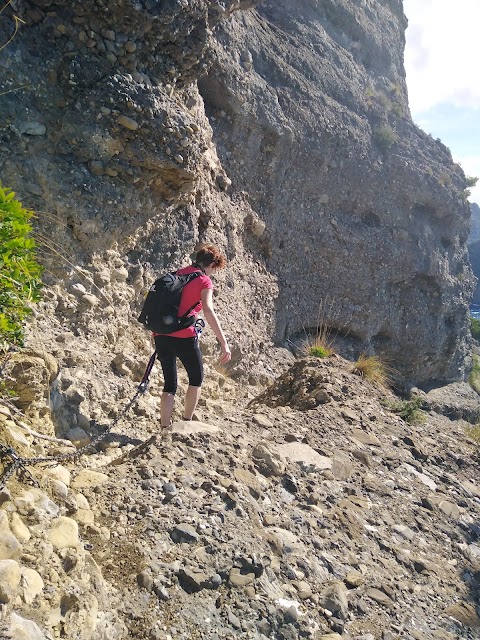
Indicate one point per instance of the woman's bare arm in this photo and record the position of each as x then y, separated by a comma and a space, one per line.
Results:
214, 323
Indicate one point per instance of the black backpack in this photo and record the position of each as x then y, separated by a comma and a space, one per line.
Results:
160, 309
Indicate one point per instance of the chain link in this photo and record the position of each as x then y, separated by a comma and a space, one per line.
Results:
13, 463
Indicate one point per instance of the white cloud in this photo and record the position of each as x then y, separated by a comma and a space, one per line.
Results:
471, 167
441, 57
441, 63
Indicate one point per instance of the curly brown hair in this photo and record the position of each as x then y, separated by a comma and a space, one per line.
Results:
209, 253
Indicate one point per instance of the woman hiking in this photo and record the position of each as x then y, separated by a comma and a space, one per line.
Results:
183, 344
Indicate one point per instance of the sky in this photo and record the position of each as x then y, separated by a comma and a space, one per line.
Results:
442, 63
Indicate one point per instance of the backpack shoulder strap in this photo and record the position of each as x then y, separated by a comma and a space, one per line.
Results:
192, 276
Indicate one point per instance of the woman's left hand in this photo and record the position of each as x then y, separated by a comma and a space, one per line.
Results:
226, 355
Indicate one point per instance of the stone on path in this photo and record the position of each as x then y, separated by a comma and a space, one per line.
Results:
450, 509
184, 533
304, 454
23, 629
268, 460
380, 597
364, 437
262, 421
191, 427
127, 122
334, 599
32, 584
88, 478
238, 579
64, 533
341, 466
83, 617
59, 473
288, 542
10, 547
464, 613
19, 529
10, 575
32, 128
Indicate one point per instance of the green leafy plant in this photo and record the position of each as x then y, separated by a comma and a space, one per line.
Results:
372, 368
475, 328
471, 181
20, 273
319, 351
409, 410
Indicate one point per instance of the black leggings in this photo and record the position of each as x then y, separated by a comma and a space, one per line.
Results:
188, 351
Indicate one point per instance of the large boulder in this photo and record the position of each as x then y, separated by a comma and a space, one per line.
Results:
33, 372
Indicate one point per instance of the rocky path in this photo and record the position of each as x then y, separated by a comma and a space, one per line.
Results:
314, 511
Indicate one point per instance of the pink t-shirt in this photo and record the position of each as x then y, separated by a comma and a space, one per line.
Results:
190, 295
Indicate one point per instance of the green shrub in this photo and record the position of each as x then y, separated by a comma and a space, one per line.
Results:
471, 181
319, 351
385, 137
410, 410
475, 328
20, 273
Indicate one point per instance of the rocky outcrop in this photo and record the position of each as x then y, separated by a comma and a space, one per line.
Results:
296, 154
361, 208
474, 248
285, 519
474, 235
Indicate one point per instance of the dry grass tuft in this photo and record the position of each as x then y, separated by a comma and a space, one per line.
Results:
374, 369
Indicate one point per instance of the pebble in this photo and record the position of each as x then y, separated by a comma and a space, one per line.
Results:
63, 533
238, 579
19, 529
10, 547
128, 123
88, 478
23, 629
10, 575
32, 128
184, 533
170, 490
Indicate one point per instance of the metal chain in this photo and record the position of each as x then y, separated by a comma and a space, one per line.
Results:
13, 463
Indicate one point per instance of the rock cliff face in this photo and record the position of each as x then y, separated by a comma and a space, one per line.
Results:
279, 130
361, 208
474, 247
475, 226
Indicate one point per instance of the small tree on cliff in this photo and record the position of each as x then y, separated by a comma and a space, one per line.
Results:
20, 273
